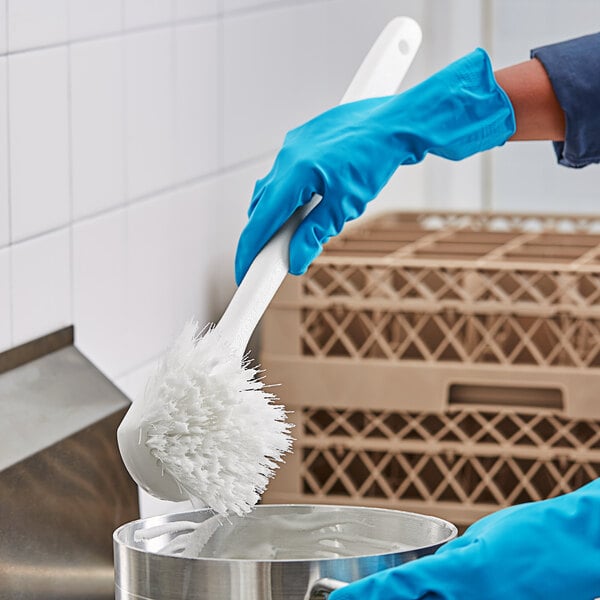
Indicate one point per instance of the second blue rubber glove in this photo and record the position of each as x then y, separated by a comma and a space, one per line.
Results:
547, 550
348, 154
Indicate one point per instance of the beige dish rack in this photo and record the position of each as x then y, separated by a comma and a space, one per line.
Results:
446, 363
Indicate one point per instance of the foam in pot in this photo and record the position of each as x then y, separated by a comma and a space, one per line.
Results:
309, 536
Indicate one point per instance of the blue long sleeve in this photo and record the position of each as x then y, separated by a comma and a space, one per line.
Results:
574, 71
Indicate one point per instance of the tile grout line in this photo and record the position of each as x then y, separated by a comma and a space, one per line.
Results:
267, 6
220, 91
11, 310
70, 186
123, 82
174, 75
138, 366
211, 177
125, 181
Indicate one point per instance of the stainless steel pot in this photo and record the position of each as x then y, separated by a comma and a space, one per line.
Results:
143, 573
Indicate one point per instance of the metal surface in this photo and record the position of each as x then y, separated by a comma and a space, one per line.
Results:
141, 572
48, 399
63, 488
323, 587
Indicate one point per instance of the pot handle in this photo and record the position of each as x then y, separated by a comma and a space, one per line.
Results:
323, 587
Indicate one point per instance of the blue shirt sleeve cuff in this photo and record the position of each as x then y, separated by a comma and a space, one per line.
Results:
574, 71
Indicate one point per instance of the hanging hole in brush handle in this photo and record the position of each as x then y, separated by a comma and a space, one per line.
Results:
380, 74
323, 587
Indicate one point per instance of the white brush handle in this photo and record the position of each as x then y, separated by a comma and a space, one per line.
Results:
380, 74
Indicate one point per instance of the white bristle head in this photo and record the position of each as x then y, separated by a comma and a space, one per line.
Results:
211, 423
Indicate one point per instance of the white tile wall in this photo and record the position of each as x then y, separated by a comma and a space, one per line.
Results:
196, 266
5, 315
39, 148
3, 26
288, 63
275, 77
100, 290
527, 178
97, 126
149, 114
196, 100
404, 191
232, 5
145, 13
355, 24
133, 383
520, 26
89, 18
4, 213
230, 219
150, 274
190, 9
525, 174
35, 23
40, 286
453, 186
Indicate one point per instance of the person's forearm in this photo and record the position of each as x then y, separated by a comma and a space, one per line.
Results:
538, 114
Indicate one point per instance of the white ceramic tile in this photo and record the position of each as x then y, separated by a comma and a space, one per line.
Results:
149, 113
94, 17
525, 174
190, 9
99, 290
450, 30
143, 13
274, 77
5, 327
41, 298
353, 27
527, 178
150, 268
229, 220
230, 5
3, 28
406, 190
39, 156
452, 185
197, 265
196, 100
97, 125
34, 23
284, 65
520, 26
4, 212
132, 384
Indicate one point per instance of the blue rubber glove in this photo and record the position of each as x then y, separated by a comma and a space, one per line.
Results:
348, 154
546, 550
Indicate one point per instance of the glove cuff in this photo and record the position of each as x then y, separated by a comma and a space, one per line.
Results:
485, 102
458, 112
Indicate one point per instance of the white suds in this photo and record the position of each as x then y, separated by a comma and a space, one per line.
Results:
263, 536
212, 425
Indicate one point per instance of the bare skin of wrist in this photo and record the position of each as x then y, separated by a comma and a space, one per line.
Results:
538, 114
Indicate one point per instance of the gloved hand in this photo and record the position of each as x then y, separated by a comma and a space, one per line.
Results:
546, 550
348, 153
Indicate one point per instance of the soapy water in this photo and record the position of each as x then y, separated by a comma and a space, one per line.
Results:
309, 536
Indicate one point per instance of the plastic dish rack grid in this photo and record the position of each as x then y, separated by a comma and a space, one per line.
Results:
446, 363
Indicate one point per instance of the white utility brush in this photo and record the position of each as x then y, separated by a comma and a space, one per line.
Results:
206, 429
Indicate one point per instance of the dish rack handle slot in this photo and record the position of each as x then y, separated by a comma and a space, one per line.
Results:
506, 396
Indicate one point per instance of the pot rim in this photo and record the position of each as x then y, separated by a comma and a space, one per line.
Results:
442, 523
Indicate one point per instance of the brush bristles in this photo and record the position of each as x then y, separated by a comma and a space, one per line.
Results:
212, 425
